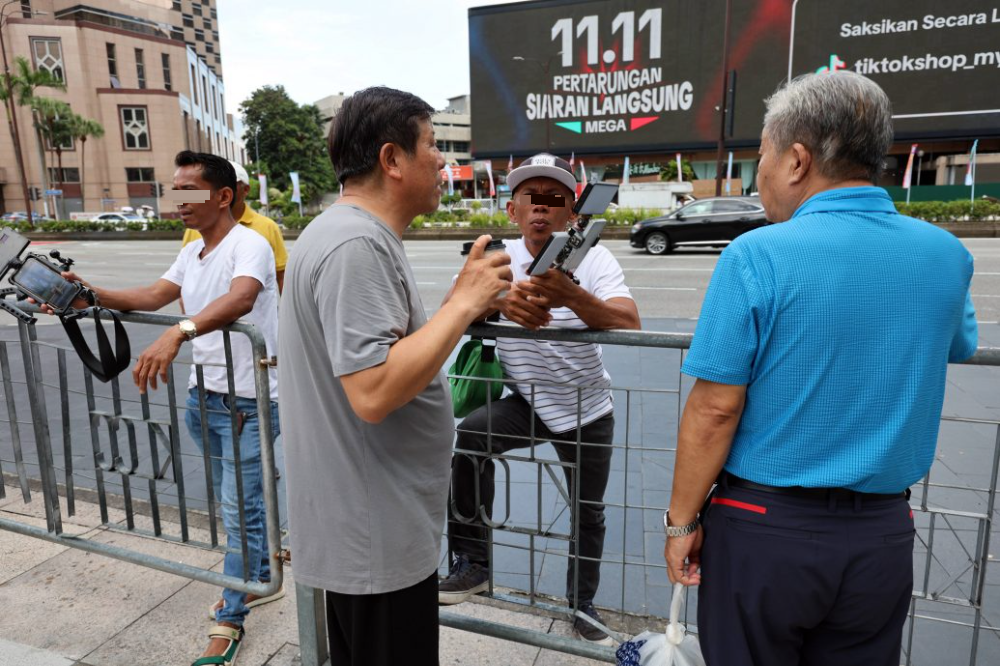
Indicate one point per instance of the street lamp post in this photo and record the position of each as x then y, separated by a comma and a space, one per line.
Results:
545, 69
12, 115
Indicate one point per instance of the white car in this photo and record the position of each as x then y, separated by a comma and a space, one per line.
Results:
113, 218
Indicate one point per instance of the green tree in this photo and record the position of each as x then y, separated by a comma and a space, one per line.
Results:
290, 138
84, 128
53, 123
22, 84
669, 171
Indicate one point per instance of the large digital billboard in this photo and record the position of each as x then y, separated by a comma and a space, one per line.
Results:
621, 76
938, 61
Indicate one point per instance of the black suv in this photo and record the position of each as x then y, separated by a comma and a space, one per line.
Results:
706, 222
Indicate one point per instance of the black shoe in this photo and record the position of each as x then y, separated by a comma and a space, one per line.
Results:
586, 630
464, 580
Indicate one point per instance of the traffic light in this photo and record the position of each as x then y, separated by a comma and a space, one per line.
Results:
153, 190
159, 190
35, 194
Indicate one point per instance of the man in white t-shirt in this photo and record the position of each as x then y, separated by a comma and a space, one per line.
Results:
227, 274
561, 389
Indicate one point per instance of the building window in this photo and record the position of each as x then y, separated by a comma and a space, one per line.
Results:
204, 93
135, 127
460, 146
69, 175
222, 105
199, 35
139, 174
26, 9
215, 35
196, 8
206, 23
218, 145
187, 131
188, 20
167, 82
112, 60
194, 85
176, 5
209, 47
177, 33
48, 56
215, 108
140, 68
213, 12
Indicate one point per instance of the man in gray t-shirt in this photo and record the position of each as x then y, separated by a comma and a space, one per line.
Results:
369, 426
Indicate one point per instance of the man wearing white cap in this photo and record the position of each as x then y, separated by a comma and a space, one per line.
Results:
250, 218
561, 391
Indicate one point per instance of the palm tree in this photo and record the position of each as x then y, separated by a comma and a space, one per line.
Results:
22, 86
23, 83
53, 122
82, 129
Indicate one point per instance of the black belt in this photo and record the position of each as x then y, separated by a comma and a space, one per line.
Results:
821, 494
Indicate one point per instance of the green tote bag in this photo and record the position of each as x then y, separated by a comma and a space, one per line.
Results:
474, 360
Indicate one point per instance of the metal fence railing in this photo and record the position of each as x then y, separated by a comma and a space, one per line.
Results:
135, 453
120, 447
531, 529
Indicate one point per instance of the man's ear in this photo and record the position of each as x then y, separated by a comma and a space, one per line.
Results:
389, 161
800, 163
226, 196
510, 209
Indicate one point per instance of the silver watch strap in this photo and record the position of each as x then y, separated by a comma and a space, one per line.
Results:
678, 531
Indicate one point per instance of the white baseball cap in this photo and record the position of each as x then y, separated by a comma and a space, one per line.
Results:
241, 173
543, 165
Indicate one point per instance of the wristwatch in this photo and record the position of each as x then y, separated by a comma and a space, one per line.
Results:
188, 328
683, 530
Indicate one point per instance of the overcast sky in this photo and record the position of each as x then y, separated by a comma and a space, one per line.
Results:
317, 48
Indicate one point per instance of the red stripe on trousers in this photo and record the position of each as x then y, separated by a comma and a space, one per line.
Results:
739, 505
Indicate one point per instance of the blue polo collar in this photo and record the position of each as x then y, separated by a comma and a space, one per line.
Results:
867, 199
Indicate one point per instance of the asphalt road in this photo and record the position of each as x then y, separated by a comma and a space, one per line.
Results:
670, 286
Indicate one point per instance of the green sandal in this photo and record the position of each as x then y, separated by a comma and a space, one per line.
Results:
228, 658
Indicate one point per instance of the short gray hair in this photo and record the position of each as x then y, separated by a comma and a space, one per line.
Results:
843, 118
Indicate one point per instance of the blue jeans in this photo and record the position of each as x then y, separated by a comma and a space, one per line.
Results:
222, 458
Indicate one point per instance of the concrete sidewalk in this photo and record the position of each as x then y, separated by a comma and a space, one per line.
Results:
64, 607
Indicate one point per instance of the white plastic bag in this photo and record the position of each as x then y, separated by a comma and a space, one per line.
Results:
673, 648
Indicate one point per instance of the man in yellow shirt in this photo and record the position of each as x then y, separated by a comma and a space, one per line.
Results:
248, 217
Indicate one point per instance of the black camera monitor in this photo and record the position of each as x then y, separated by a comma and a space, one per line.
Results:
12, 244
43, 282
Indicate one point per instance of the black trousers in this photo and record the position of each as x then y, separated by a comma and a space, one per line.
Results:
512, 416
804, 582
388, 629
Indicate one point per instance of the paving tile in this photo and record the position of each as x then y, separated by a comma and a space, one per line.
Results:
461, 647
20, 553
111, 594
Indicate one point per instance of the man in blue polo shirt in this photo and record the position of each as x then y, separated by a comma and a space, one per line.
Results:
820, 357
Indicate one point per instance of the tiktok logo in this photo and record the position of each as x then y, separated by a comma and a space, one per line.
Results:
835, 64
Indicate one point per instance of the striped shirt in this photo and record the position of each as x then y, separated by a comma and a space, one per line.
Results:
558, 376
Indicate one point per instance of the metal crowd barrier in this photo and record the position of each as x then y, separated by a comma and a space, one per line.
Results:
954, 519
954, 526
136, 453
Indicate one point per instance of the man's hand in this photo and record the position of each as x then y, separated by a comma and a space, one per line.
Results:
683, 556
482, 278
555, 289
78, 303
157, 358
518, 306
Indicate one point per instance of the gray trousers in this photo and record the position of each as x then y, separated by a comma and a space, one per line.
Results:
512, 416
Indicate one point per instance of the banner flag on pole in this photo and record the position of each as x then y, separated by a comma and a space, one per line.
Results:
582, 185
263, 188
626, 171
729, 175
510, 164
572, 160
970, 174
296, 192
451, 179
908, 175
489, 173
680, 170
